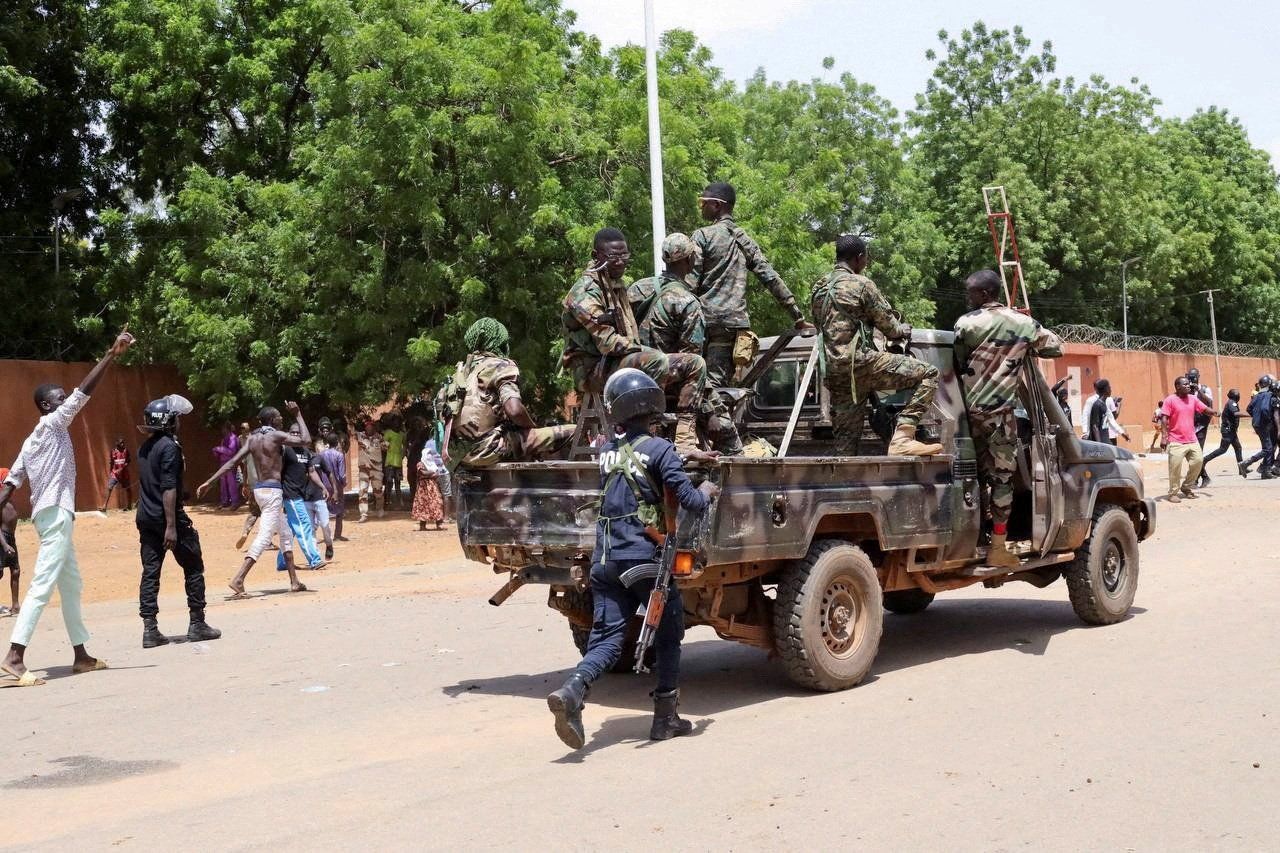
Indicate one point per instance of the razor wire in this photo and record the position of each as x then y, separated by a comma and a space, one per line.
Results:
1111, 339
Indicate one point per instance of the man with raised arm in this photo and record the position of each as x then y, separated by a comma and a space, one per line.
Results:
47, 461
266, 445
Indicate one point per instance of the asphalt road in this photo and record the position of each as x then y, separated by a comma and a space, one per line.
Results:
396, 709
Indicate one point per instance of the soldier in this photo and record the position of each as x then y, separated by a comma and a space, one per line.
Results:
721, 273
846, 304
670, 319
635, 470
991, 343
483, 407
601, 336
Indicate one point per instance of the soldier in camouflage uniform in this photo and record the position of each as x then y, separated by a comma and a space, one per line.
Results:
727, 253
846, 305
670, 320
484, 414
601, 336
992, 343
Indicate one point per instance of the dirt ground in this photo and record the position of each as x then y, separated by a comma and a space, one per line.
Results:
392, 708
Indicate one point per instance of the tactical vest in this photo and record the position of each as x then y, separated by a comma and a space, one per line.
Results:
474, 414
649, 514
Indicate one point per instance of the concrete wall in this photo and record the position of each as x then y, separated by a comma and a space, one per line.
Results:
1145, 378
115, 410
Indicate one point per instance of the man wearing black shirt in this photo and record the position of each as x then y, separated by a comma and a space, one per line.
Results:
297, 478
162, 523
1230, 429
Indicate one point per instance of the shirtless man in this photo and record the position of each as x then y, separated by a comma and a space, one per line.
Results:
266, 445
9, 547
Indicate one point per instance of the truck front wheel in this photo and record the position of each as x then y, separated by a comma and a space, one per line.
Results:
828, 616
1103, 579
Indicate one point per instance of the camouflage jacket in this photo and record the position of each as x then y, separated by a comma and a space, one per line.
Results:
597, 318
475, 398
991, 345
727, 254
669, 315
845, 306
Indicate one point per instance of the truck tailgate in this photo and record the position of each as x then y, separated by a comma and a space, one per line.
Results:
540, 504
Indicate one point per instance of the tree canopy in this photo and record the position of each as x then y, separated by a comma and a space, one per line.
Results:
317, 197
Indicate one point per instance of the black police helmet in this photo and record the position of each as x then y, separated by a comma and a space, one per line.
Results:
630, 394
1265, 381
163, 414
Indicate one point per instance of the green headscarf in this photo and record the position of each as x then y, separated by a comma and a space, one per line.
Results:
487, 335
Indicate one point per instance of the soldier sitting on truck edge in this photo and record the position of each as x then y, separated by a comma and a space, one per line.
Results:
992, 341
846, 304
670, 319
483, 407
634, 469
601, 336
721, 270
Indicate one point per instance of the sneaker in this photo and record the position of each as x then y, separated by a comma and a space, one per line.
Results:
1243, 468
328, 553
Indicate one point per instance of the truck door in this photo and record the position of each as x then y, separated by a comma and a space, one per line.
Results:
1046, 475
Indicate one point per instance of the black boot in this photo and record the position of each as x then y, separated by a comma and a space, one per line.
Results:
566, 703
199, 630
1204, 480
151, 636
666, 720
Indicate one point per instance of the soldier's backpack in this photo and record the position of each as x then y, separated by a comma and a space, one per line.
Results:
474, 411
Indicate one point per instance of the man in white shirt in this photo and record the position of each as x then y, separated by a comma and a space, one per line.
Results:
47, 461
1102, 425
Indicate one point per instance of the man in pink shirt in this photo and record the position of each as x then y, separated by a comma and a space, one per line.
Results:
1178, 438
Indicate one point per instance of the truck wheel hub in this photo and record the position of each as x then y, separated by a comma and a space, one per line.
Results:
839, 617
1112, 567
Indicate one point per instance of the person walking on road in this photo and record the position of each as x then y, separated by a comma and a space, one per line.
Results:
335, 474
47, 461
266, 445
1205, 395
369, 463
1230, 429
1178, 438
1261, 412
635, 470
163, 525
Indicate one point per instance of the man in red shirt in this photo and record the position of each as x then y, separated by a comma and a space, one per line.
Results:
119, 475
1178, 438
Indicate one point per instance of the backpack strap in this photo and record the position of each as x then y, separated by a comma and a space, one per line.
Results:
628, 461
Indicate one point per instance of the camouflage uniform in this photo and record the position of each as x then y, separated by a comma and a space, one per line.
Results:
727, 254
497, 379
845, 306
991, 345
670, 319
601, 336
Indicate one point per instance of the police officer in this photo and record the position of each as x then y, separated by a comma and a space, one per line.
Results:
162, 523
727, 253
602, 335
670, 320
846, 305
635, 467
992, 342
482, 406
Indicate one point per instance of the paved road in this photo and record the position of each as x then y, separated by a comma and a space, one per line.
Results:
395, 709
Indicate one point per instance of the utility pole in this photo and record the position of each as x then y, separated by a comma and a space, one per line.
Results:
1213, 328
59, 202
1124, 295
657, 200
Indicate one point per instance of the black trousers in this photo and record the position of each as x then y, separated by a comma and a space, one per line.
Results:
1232, 442
186, 552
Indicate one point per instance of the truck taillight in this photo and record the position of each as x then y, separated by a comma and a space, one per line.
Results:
684, 564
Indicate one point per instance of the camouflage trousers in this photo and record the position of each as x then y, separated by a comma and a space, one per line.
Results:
716, 424
506, 443
877, 371
995, 439
718, 351
682, 375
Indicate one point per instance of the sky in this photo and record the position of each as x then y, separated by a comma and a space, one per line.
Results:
1191, 55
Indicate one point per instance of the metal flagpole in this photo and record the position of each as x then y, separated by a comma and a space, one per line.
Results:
1213, 329
1124, 296
658, 202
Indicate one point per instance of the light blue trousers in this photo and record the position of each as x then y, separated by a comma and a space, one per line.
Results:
56, 567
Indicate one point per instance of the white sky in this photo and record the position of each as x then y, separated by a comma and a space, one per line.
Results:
1192, 55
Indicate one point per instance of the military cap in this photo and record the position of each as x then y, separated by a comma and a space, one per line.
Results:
677, 247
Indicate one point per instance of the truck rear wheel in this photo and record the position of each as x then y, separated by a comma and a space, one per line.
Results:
1103, 579
828, 616
907, 601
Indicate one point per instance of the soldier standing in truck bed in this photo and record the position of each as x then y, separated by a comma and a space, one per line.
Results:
727, 253
484, 412
992, 342
602, 335
670, 320
847, 305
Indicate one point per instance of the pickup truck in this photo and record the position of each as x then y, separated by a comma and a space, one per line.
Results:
800, 555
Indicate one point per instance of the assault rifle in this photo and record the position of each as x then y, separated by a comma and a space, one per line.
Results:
662, 582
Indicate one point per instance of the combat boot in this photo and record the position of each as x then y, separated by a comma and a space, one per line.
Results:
151, 636
566, 703
999, 555
904, 443
666, 720
199, 629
